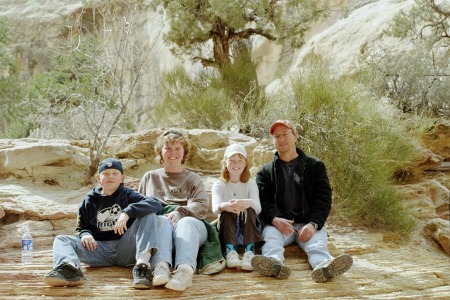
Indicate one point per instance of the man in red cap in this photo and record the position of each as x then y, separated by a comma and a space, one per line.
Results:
295, 196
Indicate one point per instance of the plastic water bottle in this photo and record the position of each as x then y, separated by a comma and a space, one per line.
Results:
27, 247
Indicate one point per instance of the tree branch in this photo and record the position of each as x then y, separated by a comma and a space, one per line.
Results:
245, 34
207, 62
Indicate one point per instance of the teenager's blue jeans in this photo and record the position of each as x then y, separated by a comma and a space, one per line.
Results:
139, 238
316, 248
188, 235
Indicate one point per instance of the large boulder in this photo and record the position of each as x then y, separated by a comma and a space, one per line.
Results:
45, 159
438, 139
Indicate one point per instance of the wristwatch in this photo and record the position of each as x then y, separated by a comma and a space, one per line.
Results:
315, 225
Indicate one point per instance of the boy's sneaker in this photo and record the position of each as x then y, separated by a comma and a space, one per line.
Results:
161, 274
233, 260
182, 278
141, 274
331, 268
247, 261
270, 266
65, 274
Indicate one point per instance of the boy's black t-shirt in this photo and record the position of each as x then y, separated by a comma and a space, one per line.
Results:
98, 213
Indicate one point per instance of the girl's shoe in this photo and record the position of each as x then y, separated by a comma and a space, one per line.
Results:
247, 261
233, 260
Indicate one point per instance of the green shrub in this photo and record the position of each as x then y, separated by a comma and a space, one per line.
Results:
191, 102
13, 108
361, 143
229, 99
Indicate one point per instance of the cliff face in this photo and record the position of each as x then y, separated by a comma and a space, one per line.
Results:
341, 40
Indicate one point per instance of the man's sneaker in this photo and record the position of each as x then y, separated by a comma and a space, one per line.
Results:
141, 274
233, 260
182, 278
247, 261
161, 274
331, 268
65, 274
270, 266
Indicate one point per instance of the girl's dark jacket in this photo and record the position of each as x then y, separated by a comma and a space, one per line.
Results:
98, 214
314, 188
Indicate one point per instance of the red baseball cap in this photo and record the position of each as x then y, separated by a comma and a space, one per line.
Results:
285, 123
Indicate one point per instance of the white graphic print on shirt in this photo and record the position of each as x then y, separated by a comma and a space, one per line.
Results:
107, 217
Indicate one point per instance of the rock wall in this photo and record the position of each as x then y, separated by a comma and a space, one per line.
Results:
342, 40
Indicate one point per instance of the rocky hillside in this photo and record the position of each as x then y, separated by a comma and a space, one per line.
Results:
341, 39
40, 188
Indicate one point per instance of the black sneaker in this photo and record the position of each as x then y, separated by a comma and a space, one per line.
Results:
65, 275
141, 274
269, 266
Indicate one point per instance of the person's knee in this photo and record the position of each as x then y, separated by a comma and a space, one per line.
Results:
64, 238
187, 222
190, 226
270, 231
149, 218
163, 220
228, 216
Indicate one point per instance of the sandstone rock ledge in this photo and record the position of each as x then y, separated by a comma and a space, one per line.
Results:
383, 269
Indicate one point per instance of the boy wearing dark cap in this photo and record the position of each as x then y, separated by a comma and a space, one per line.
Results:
116, 226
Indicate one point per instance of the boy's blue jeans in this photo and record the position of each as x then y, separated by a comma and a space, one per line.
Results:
139, 238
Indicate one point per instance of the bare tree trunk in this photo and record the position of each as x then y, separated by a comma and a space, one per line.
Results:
221, 40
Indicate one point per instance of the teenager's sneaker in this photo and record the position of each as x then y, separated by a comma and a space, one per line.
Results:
233, 260
182, 278
161, 274
331, 268
247, 261
270, 266
141, 274
65, 274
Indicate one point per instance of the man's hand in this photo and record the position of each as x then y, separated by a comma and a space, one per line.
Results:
89, 242
306, 232
283, 225
121, 225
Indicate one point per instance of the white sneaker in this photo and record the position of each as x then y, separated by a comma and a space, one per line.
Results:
233, 260
182, 278
247, 261
161, 274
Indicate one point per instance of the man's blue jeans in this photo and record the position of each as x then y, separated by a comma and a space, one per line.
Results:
316, 248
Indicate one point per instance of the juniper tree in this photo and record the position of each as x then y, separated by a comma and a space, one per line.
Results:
217, 24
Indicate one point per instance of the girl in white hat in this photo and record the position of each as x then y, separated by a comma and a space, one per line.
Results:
235, 198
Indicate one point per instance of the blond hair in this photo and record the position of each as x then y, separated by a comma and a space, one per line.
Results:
171, 136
